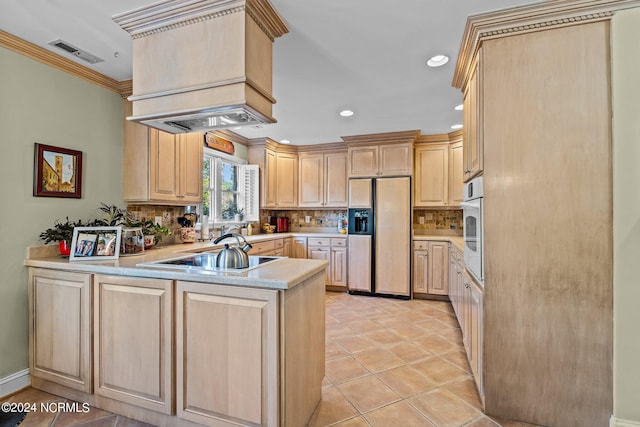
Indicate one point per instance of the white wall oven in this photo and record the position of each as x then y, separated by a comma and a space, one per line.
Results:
473, 232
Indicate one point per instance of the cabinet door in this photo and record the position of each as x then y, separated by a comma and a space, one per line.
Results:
311, 177
393, 276
270, 179
335, 178
216, 322
359, 263
287, 247
438, 283
420, 271
316, 252
135, 158
339, 267
60, 328
191, 152
456, 174
466, 310
163, 156
363, 161
472, 120
133, 343
431, 186
360, 193
395, 160
299, 247
286, 181
475, 334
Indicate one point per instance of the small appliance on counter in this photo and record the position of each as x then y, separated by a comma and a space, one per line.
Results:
282, 224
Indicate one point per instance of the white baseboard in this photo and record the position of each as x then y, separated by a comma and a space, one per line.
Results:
616, 422
14, 382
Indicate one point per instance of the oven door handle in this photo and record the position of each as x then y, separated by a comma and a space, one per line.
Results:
470, 205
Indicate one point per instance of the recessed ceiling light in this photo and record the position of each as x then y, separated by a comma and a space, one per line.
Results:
437, 60
346, 113
458, 107
285, 141
456, 127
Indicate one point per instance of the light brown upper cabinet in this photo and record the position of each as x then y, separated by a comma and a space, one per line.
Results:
322, 180
456, 173
473, 119
431, 186
278, 175
438, 176
160, 167
381, 160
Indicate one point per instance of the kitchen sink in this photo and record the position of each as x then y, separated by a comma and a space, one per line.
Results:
206, 261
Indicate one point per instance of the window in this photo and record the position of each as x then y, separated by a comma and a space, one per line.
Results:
230, 186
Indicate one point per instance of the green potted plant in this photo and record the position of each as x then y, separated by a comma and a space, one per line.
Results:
113, 216
153, 233
239, 215
61, 232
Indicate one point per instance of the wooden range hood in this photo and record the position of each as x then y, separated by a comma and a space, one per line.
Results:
202, 64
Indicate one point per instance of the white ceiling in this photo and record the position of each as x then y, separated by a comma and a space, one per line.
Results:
365, 55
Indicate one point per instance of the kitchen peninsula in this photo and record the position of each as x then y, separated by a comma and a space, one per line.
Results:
176, 347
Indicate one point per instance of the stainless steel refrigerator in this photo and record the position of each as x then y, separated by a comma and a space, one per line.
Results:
380, 236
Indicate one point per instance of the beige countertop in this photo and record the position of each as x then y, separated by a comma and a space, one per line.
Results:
457, 241
282, 274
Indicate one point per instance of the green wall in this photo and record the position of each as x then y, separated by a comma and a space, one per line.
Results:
41, 104
626, 217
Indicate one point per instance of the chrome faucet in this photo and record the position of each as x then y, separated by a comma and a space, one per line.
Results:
232, 229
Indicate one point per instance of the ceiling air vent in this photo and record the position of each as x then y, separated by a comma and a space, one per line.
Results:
69, 48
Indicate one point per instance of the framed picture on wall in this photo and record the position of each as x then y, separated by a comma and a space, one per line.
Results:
95, 243
57, 172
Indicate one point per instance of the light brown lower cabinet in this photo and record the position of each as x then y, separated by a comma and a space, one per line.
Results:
299, 248
317, 249
430, 268
60, 328
467, 300
133, 341
178, 353
287, 247
227, 362
335, 251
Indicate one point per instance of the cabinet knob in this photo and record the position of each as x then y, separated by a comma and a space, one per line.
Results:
466, 285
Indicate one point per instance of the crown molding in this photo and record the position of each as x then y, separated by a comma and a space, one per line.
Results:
383, 138
527, 19
171, 14
44, 56
54, 60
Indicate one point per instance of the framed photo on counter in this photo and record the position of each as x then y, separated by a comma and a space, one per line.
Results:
95, 243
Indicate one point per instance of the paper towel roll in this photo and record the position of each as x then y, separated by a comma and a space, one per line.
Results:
204, 228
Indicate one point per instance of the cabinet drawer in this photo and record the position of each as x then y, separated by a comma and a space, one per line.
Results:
260, 247
319, 241
420, 245
278, 243
338, 242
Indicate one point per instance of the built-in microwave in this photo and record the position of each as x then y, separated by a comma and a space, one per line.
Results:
473, 230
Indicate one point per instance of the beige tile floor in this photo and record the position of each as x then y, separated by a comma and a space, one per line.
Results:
389, 363
393, 362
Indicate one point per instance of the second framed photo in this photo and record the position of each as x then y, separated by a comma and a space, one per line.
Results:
95, 243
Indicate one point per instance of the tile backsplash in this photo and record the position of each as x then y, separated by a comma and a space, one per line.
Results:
327, 220
437, 220
169, 216
297, 219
